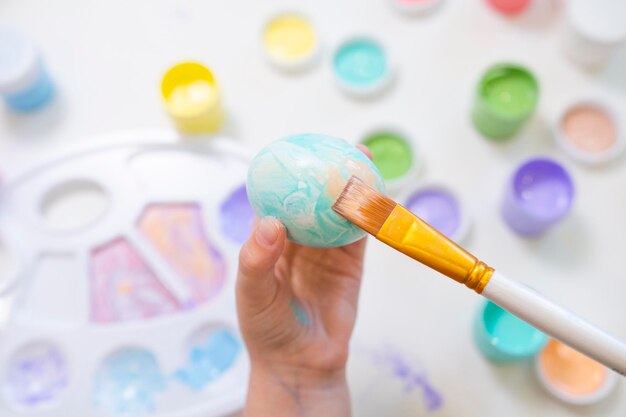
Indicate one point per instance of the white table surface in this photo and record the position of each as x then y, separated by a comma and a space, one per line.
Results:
107, 59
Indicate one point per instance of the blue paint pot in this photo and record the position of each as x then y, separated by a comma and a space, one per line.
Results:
24, 81
361, 67
502, 337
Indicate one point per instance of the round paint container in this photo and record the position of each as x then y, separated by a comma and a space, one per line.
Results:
590, 132
441, 208
502, 337
505, 99
290, 41
24, 81
593, 30
415, 6
396, 155
539, 195
192, 98
509, 7
572, 377
362, 67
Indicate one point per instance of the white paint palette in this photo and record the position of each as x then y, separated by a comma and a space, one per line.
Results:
127, 309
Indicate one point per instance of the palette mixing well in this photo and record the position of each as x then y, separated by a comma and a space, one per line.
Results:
130, 312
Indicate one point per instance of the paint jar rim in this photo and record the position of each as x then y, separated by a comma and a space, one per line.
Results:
396, 185
516, 353
564, 177
375, 88
496, 71
29, 67
573, 16
171, 80
299, 64
464, 226
580, 155
609, 385
415, 7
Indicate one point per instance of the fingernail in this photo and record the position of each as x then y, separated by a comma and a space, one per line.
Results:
267, 232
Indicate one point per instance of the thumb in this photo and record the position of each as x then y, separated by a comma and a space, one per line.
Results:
256, 282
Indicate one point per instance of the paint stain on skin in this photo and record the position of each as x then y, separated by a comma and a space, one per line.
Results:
299, 312
410, 373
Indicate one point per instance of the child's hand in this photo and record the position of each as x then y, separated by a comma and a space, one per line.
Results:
297, 306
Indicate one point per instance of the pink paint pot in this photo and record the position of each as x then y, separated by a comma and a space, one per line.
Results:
590, 132
509, 6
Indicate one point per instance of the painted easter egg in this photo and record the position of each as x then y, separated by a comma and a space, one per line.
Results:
298, 178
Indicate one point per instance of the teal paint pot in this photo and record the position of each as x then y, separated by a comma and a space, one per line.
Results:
502, 337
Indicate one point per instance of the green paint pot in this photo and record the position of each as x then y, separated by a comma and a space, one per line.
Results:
395, 155
502, 337
506, 98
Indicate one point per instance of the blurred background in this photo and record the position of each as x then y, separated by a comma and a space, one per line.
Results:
413, 350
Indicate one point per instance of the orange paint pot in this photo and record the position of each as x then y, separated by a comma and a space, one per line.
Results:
571, 376
591, 132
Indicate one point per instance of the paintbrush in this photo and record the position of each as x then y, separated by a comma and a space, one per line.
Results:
396, 226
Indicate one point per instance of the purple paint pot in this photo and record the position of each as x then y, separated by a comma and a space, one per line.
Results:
539, 195
439, 207
236, 216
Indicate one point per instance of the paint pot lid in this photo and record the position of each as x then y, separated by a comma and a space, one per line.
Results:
397, 156
415, 6
600, 381
290, 41
440, 207
600, 20
19, 61
600, 138
510, 335
362, 67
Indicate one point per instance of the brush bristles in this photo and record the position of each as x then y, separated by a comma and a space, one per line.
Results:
364, 206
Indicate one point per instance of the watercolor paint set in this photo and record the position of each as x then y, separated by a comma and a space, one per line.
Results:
131, 310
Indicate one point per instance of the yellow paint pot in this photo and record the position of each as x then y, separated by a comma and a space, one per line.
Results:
290, 41
192, 98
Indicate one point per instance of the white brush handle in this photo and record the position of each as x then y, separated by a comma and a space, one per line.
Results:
556, 321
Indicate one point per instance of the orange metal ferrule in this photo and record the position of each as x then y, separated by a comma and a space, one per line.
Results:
412, 236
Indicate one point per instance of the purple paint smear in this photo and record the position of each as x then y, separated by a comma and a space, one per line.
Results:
411, 374
237, 215
36, 375
438, 208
